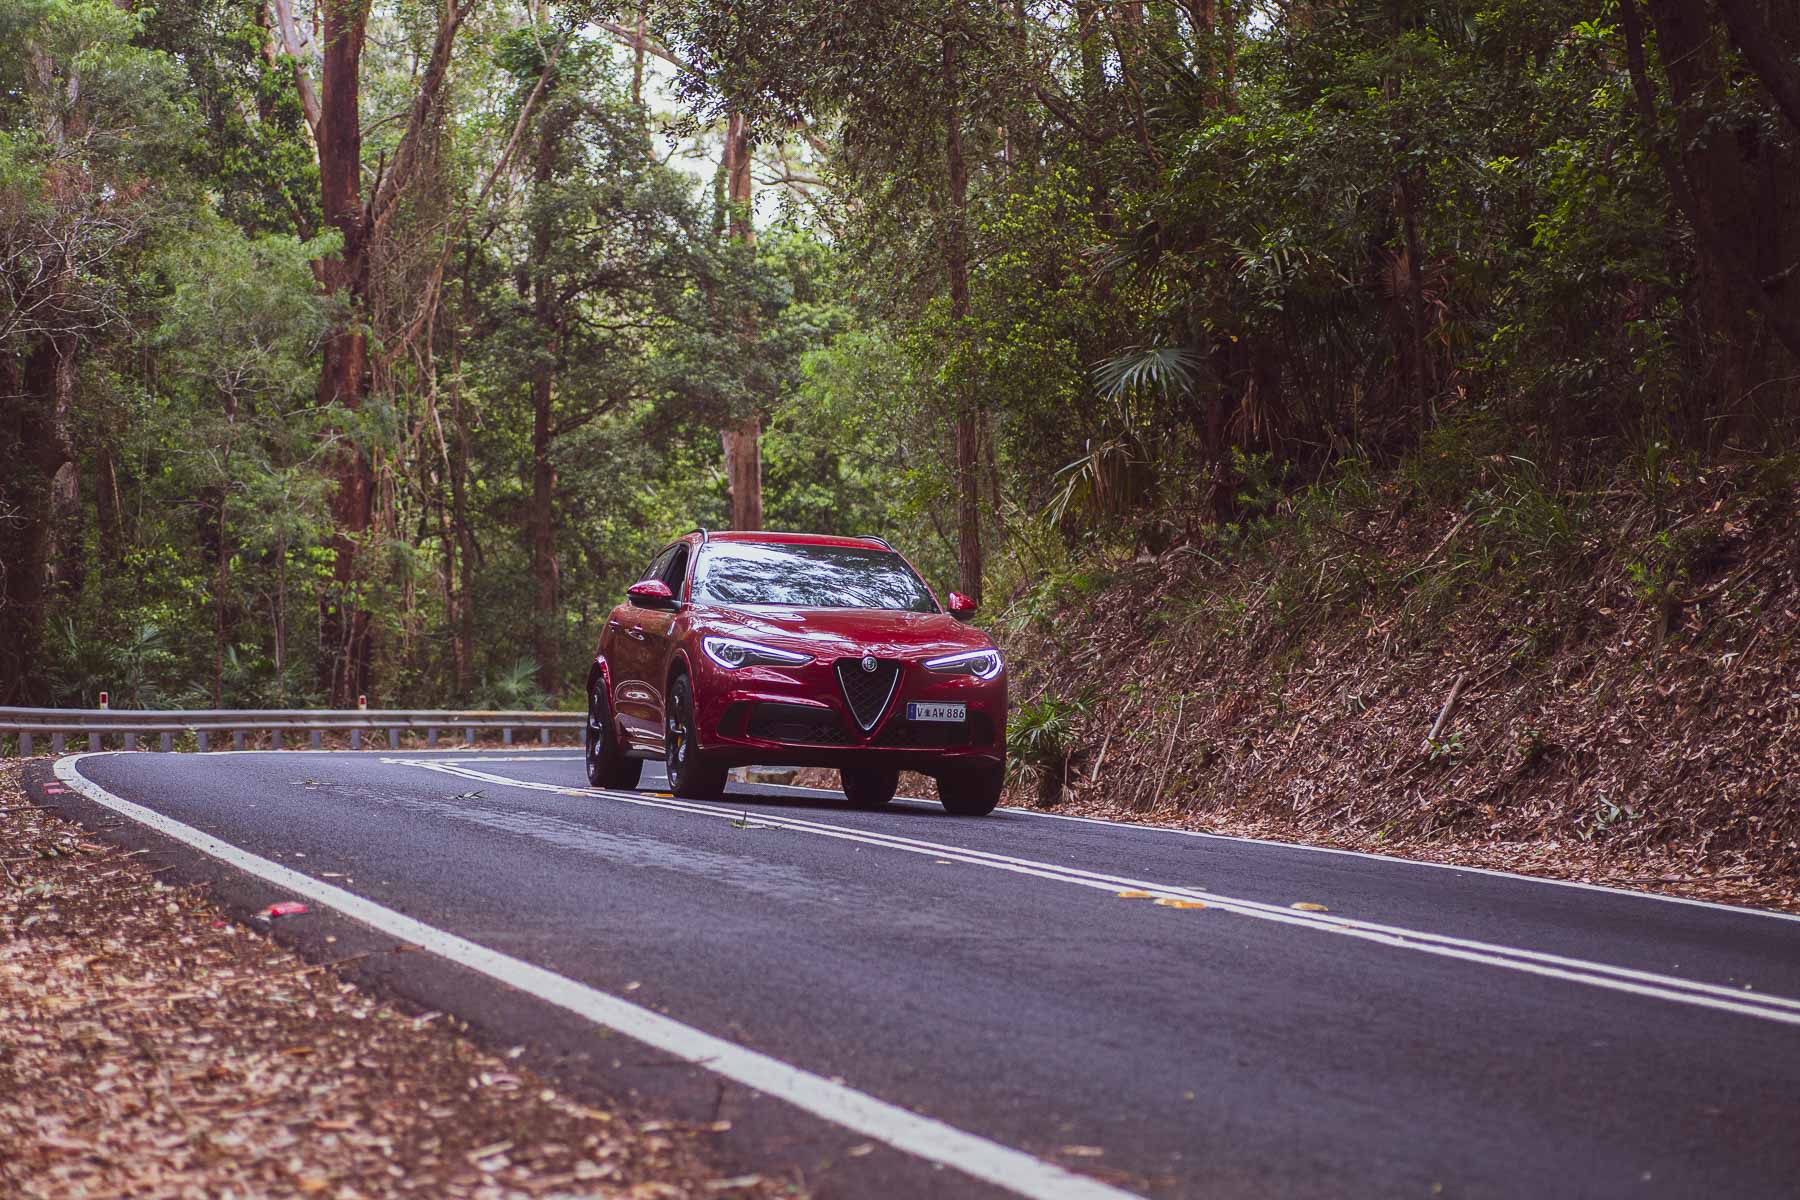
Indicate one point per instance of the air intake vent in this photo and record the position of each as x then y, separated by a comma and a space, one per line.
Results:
867, 692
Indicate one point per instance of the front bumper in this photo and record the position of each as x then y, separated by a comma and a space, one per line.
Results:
798, 716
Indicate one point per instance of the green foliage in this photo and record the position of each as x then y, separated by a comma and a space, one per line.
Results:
1194, 287
512, 687
1040, 737
1041, 734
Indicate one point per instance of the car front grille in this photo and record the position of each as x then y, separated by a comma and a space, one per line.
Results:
867, 692
797, 724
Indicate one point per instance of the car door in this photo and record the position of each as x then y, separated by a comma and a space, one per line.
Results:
637, 695
658, 626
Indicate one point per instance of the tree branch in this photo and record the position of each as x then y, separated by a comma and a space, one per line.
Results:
1769, 56
424, 113
295, 43
638, 41
435, 283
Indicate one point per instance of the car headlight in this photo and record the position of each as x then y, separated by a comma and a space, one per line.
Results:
731, 654
982, 664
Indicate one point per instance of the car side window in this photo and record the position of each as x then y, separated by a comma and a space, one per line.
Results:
657, 565
675, 572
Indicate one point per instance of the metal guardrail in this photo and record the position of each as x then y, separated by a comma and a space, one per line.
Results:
58, 724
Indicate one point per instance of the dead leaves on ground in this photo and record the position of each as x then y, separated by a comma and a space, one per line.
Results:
149, 1048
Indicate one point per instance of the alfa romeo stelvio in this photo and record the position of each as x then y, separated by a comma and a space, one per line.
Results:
794, 649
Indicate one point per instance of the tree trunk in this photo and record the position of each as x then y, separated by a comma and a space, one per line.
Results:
1731, 183
742, 441
222, 573
540, 517
637, 60
35, 448
956, 263
541, 530
462, 607
344, 632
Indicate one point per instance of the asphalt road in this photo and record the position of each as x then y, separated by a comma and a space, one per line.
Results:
1140, 1006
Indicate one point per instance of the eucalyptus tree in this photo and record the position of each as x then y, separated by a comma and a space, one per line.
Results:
92, 130
1717, 88
360, 217
594, 250
917, 92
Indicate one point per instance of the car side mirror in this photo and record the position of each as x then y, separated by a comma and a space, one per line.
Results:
962, 607
650, 593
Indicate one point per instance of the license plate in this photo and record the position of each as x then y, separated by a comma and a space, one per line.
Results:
916, 711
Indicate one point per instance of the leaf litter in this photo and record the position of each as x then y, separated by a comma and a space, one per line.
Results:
150, 1048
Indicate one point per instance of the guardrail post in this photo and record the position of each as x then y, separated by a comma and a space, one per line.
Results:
237, 739
431, 739
57, 743
93, 741
356, 739
506, 736
393, 739
168, 743
201, 734
130, 740
469, 736
544, 737
274, 739
24, 744
315, 739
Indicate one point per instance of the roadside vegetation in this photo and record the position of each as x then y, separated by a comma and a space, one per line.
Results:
1586, 670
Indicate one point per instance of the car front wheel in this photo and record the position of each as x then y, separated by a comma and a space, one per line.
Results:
691, 776
868, 787
970, 791
607, 765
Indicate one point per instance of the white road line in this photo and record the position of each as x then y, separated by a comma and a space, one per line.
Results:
1629, 980
1146, 827
976, 1156
1742, 910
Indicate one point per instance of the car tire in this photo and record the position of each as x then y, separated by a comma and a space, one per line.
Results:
970, 791
691, 776
607, 764
868, 787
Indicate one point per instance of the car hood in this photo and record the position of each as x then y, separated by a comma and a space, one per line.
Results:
838, 632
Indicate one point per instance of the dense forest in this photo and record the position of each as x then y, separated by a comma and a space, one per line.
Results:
372, 346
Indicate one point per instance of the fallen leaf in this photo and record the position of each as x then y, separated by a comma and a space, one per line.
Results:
1172, 902
285, 908
1309, 906
1134, 894
1083, 1151
489, 1151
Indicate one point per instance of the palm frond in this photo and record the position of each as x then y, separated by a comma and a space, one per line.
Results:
1172, 370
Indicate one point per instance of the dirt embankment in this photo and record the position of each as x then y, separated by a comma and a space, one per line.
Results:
1602, 685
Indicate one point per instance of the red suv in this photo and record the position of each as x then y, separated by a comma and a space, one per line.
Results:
794, 649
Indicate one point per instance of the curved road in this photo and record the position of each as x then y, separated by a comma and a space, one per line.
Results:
902, 1003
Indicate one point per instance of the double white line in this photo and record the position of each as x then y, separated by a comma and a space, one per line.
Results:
1779, 1009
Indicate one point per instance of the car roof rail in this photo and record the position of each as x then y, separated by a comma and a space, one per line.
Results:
874, 537
697, 529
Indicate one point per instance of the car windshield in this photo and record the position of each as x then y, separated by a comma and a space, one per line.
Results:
807, 575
